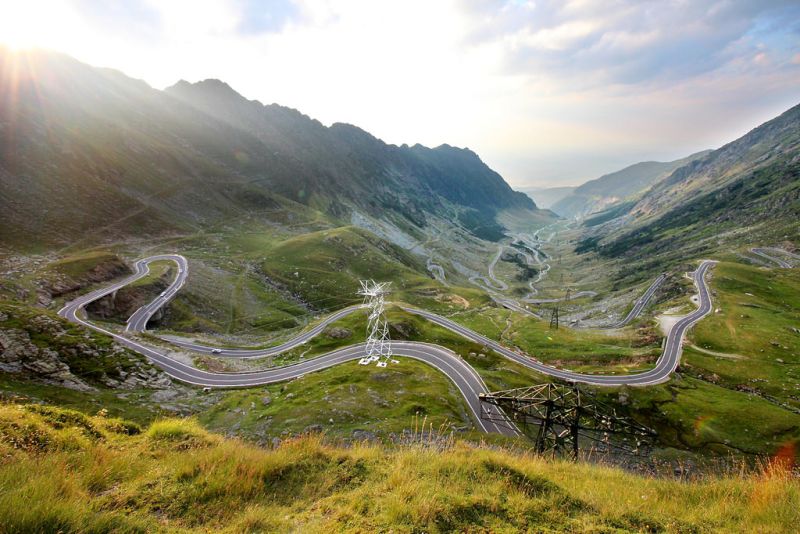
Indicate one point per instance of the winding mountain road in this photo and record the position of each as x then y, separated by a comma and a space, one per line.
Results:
492, 283
665, 366
437, 271
454, 367
640, 303
766, 253
300, 339
137, 322
532, 243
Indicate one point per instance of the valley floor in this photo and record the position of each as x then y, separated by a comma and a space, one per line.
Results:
267, 289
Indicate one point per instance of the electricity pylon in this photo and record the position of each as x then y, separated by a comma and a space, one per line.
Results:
379, 346
554, 319
560, 417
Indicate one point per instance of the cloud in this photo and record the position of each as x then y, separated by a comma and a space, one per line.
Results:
546, 91
134, 19
263, 16
630, 42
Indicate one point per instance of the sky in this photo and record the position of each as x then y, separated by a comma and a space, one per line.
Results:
548, 93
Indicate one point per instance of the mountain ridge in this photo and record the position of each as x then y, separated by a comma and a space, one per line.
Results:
748, 189
479, 186
148, 163
545, 197
597, 194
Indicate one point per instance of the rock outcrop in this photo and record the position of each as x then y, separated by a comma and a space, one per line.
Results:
121, 304
19, 355
62, 284
37, 346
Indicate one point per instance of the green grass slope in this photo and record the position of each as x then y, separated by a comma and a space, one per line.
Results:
324, 267
61, 471
753, 343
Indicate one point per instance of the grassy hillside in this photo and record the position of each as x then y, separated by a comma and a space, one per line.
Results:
63, 471
73, 272
230, 297
324, 267
750, 388
752, 344
764, 204
346, 401
717, 404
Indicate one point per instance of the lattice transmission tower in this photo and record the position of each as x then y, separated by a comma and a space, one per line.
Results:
554, 319
379, 346
562, 417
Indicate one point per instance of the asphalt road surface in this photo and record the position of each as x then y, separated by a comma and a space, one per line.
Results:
665, 366
640, 303
488, 418
302, 338
456, 369
138, 320
767, 252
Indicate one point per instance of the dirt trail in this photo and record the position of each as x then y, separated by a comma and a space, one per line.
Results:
718, 354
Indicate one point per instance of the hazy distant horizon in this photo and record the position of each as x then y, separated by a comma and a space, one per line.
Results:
548, 93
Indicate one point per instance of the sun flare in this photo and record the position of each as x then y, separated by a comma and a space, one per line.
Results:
25, 25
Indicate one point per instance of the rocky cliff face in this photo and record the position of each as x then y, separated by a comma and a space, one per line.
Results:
104, 270
121, 304
68, 277
19, 356
36, 345
351, 163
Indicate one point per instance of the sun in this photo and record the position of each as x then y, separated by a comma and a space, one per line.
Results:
16, 31
34, 24
16, 42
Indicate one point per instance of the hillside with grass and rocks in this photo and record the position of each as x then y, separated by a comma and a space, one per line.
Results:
745, 191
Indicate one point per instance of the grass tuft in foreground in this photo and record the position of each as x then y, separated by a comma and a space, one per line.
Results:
89, 477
